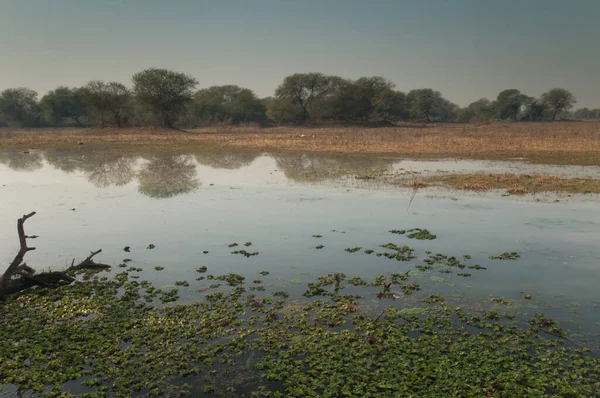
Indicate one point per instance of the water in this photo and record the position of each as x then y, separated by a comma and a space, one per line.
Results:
186, 204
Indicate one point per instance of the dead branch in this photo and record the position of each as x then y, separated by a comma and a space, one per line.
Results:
18, 260
88, 263
19, 276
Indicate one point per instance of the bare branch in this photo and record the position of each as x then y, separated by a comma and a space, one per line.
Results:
27, 276
18, 260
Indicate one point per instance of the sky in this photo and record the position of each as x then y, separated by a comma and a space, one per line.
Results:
466, 49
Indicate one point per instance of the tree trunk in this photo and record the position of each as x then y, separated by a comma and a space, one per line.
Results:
77, 121
304, 112
167, 120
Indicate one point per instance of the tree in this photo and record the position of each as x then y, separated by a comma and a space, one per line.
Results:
423, 103
283, 110
228, 103
558, 100
532, 109
508, 104
302, 89
95, 94
64, 103
19, 106
118, 102
378, 101
478, 111
166, 93
586, 113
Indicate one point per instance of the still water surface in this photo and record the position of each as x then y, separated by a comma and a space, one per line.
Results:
188, 204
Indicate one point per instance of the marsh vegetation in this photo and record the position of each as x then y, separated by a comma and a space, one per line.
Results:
110, 334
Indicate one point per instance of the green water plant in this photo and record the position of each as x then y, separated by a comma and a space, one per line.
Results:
415, 233
506, 256
352, 249
245, 253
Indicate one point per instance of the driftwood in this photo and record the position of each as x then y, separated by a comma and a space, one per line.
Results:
19, 276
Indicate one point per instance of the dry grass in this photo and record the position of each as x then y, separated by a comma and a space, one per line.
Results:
552, 143
517, 184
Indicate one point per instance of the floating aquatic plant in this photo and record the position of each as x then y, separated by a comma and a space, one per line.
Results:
245, 253
352, 249
415, 233
506, 256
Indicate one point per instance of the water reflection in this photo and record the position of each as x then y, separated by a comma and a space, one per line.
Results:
21, 161
106, 170
168, 175
164, 175
67, 160
313, 167
228, 160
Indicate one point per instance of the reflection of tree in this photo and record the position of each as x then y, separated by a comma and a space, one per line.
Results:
67, 159
314, 168
229, 160
22, 161
102, 168
168, 175
106, 169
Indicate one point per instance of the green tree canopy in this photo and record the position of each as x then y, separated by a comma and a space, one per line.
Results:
95, 94
423, 103
481, 110
283, 110
302, 89
558, 100
228, 103
586, 113
118, 102
166, 93
532, 109
19, 106
378, 101
508, 104
64, 103
110, 99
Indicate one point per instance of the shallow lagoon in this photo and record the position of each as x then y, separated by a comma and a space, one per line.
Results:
188, 204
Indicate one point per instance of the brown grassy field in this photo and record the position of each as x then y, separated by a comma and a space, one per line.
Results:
552, 143
516, 184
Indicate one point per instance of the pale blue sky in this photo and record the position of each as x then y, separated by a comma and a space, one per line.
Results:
467, 49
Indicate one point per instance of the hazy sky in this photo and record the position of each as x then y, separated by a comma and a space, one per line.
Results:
467, 49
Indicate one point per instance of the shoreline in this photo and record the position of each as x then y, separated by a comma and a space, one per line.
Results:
575, 143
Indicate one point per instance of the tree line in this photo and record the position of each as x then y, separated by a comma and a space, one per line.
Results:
167, 98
